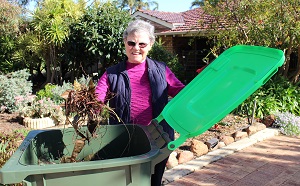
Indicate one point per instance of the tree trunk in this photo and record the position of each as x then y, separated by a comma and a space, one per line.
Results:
48, 65
288, 58
53, 62
295, 78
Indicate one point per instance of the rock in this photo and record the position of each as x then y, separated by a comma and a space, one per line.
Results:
259, 126
198, 147
172, 161
269, 120
251, 130
239, 135
215, 148
227, 139
212, 143
185, 156
221, 144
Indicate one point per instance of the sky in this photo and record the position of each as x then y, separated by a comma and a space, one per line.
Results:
164, 5
174, 5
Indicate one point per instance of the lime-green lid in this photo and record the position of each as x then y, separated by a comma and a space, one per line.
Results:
220, 88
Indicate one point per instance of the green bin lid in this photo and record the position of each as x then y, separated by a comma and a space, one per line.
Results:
220, 88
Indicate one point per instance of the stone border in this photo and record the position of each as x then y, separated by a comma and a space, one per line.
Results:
197, 163
38, 123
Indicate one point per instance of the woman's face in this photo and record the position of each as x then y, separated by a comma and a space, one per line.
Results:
137, 46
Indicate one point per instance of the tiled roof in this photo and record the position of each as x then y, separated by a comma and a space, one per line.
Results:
170, 17
183, 21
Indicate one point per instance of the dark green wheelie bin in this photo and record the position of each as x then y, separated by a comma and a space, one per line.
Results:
121, 155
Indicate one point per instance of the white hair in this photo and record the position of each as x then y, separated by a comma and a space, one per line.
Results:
138, 26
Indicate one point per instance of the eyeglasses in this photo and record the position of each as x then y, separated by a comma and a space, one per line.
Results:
132, 44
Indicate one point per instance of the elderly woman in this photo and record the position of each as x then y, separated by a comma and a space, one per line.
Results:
141, 85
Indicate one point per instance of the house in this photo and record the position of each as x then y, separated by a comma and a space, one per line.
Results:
183, 33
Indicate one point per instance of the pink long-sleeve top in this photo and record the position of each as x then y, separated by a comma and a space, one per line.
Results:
141, 107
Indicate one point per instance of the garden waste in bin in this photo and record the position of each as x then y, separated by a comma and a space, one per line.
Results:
127, 154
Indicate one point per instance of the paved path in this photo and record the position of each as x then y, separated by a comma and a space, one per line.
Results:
272, 161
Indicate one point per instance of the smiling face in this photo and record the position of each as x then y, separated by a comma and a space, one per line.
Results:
137, 46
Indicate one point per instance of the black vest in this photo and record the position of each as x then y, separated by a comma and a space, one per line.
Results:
119, 85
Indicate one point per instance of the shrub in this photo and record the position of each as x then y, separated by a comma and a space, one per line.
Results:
57, 91
84, 80
54, 92
46, 92
9, 144
288, 123
12, 85
278, 94
159, 53
47, 102
33, 107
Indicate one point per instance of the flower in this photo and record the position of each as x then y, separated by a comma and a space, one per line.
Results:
288, 123
31, 106
2, 109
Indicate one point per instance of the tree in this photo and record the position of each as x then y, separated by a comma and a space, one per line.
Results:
134, 5
51, 21
10, 21
271, 23
28, 54
197, 3
97, 39
9, 29
9, 17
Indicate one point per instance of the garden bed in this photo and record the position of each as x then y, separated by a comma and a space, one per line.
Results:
10, 122
229, 125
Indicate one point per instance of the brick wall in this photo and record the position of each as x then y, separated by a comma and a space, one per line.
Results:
167, 43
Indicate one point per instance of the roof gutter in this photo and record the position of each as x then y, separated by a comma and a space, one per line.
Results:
151, 18
182, 33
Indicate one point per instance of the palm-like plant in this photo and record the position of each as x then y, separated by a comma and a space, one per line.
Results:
197, 3
51, 22
134, 5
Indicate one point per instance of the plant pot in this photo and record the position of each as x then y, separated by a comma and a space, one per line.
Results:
38, 123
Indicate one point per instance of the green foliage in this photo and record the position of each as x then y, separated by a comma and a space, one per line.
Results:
278, 94
57, 91
53, 17
9, 144
197, 3
46, 92
33, 107
7, 47
22, 51
98, 37
9, 18
12, 85
17, 53
51, 23
267, 23
28, 52
159, 53
288, 123
84, 80
54, 92
134, 5
47, 101
10, 21
270, 23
